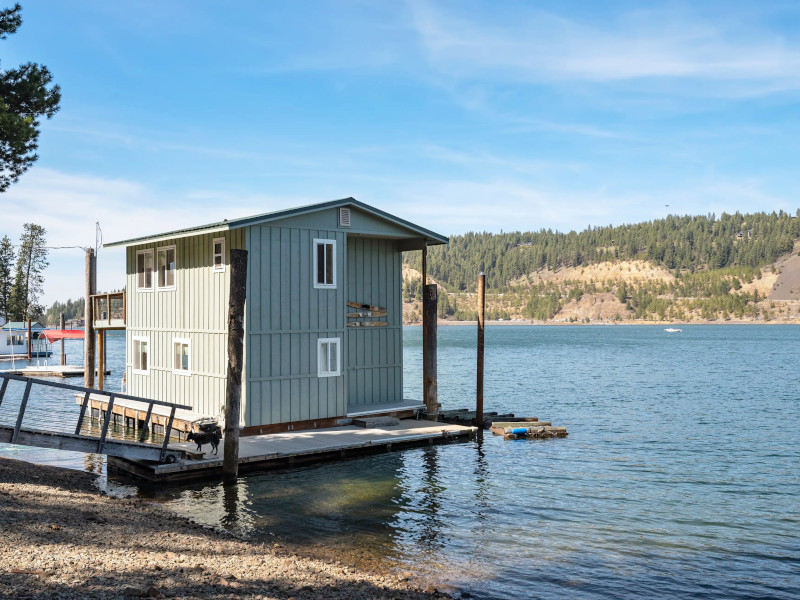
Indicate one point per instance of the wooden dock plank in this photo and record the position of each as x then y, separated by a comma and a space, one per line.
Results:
262, 450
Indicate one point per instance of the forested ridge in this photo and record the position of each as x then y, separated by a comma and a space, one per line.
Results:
683, 244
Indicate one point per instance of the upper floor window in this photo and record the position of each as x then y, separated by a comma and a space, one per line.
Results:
144, 270
219, 254
324, 263
140, 349
181, 356
166, 268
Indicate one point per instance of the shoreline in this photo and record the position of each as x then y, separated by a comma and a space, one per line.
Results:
65, 538
528, 323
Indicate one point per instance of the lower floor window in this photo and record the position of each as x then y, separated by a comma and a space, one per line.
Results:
140, 362
328, 357
181, 356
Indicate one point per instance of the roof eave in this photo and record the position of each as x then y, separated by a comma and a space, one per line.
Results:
430, 237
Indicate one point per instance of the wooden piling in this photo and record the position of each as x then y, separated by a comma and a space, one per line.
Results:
61, 324
429, 331
481, 321
30, 340
101, 360
233, 391
88, 316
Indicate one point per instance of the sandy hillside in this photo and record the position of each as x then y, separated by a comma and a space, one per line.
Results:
595, 307
786, 285
629, 270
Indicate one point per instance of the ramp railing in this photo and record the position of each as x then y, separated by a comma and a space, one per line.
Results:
51, 419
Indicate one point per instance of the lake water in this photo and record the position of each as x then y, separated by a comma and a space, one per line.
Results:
680, 477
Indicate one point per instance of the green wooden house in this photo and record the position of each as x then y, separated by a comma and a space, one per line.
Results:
307, 363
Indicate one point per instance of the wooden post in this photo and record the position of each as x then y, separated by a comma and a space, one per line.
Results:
101, 359
424, 334
61, 324
429, 376
424, 264
88, 316
30, 341
481, 316
233, 390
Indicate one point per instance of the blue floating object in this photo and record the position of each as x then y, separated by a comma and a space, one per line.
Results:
520, 431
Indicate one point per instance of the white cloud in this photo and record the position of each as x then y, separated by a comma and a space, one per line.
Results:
68, 206
538, 46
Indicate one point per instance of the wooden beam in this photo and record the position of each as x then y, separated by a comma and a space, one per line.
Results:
88, 315
30, 339
61, 324
101, 360
429, 331
481, 317
233, 390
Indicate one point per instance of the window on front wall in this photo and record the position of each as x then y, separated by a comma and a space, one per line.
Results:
328, 357
141, 364
166, 268
144, 270
181, 357
219, 254
324, 263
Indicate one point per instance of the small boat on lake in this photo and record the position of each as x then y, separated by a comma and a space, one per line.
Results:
672, 330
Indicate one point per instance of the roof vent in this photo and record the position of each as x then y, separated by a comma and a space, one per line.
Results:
344, 217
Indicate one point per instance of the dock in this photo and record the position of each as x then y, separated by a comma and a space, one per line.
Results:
49, 371
509, 426
138, 416
277, 450
24, 356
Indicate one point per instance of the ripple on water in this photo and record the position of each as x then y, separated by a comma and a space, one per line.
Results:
678, 479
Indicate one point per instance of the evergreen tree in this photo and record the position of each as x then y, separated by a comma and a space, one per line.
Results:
6, 268
29, 279
26, 94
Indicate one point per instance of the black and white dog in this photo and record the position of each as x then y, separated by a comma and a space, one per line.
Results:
211, 437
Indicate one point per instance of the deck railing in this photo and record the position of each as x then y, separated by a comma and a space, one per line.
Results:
109, 310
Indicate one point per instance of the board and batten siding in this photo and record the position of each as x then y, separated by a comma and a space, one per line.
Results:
285, 316
197, 309
374, 355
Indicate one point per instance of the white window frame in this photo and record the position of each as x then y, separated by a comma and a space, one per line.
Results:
174, 270
324, 357
153, 273
178, 369
323, 242
218, 268
136, 355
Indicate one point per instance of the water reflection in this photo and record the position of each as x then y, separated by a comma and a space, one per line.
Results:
664, 487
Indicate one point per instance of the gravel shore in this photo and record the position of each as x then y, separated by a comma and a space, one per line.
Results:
62, 538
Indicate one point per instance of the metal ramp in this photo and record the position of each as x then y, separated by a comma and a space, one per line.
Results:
61, 423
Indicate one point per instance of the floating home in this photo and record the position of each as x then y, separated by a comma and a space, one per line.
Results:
14, 339
323, 336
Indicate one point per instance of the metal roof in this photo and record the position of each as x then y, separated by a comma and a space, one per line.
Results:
432, 237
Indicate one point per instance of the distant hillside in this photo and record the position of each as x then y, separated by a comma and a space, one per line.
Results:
737, 267
684, 243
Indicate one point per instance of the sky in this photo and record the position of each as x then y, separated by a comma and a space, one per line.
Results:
458, 116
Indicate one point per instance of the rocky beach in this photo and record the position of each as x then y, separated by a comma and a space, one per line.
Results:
64, 538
